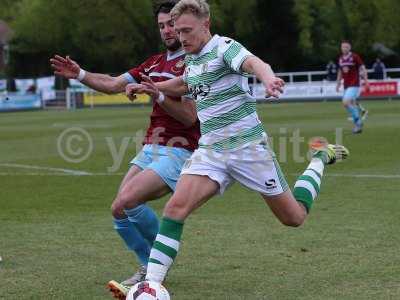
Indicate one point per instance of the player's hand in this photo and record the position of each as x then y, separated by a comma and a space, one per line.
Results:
274, 88
150, 87
132, 89
65, 67
338, 88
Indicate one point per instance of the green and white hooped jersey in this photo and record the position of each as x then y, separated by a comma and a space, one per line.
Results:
225, 107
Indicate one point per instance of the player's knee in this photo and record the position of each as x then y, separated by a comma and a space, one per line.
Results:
127, 199
293, 221
346, 103
117, 209
176, 209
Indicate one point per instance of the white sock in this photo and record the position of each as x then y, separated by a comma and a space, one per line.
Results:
317, 165
156, 272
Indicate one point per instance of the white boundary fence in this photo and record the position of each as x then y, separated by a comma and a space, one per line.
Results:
326, 90
301, 86
291, 77
312, 86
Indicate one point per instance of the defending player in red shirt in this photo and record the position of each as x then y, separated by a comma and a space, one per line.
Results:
171, 138
351, 68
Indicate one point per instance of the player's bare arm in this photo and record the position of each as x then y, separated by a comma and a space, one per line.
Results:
70, 69
183, 111
364, 75
339, 80
273, 85
175, 87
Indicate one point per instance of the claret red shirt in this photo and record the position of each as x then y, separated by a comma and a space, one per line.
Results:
164, 129
350, 66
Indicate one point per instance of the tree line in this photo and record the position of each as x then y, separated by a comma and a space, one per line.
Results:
113, 35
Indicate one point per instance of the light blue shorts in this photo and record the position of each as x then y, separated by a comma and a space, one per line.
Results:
351, 93
167, 162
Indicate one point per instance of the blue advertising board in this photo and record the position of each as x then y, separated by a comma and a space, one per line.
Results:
12, 102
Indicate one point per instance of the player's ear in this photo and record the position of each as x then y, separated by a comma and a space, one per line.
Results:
207, 23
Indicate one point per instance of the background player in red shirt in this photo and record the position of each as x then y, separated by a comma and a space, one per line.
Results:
171, 138
351, 68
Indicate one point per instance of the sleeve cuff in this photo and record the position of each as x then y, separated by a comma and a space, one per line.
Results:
129, 78
238, 67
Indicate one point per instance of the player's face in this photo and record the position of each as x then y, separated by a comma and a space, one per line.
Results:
167, 31
192, 32
346, 48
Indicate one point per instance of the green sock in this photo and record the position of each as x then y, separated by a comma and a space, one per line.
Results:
307, 186
165, 249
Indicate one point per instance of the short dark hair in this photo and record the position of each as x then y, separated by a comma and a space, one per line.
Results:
164, 7
346, 42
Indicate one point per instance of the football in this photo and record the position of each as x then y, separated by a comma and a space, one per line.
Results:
148, 290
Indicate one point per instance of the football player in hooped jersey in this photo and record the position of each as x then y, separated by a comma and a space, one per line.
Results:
351, 68
171, 138
233, 143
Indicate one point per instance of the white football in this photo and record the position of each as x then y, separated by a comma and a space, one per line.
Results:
148, 290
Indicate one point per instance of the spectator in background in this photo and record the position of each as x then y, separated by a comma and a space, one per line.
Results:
31, 89
11, 85
331, 70
378, 69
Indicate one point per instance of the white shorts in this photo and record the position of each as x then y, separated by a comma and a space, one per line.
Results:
254, 166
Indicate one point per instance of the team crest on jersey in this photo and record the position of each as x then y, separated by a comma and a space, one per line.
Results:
180, 64
178, 67
204, 68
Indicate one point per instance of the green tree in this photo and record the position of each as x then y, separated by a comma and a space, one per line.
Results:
266, 28
104, 35
113, 35
324, 23
9, 9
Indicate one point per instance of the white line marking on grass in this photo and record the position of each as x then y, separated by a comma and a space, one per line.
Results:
107, 174
65, 171
60, 174
62, 125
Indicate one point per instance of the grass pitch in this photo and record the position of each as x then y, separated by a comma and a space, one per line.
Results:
57, 240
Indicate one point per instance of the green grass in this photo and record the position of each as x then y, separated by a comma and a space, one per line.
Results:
57, 241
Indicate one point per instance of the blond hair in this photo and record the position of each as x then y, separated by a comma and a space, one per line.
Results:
198, 8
